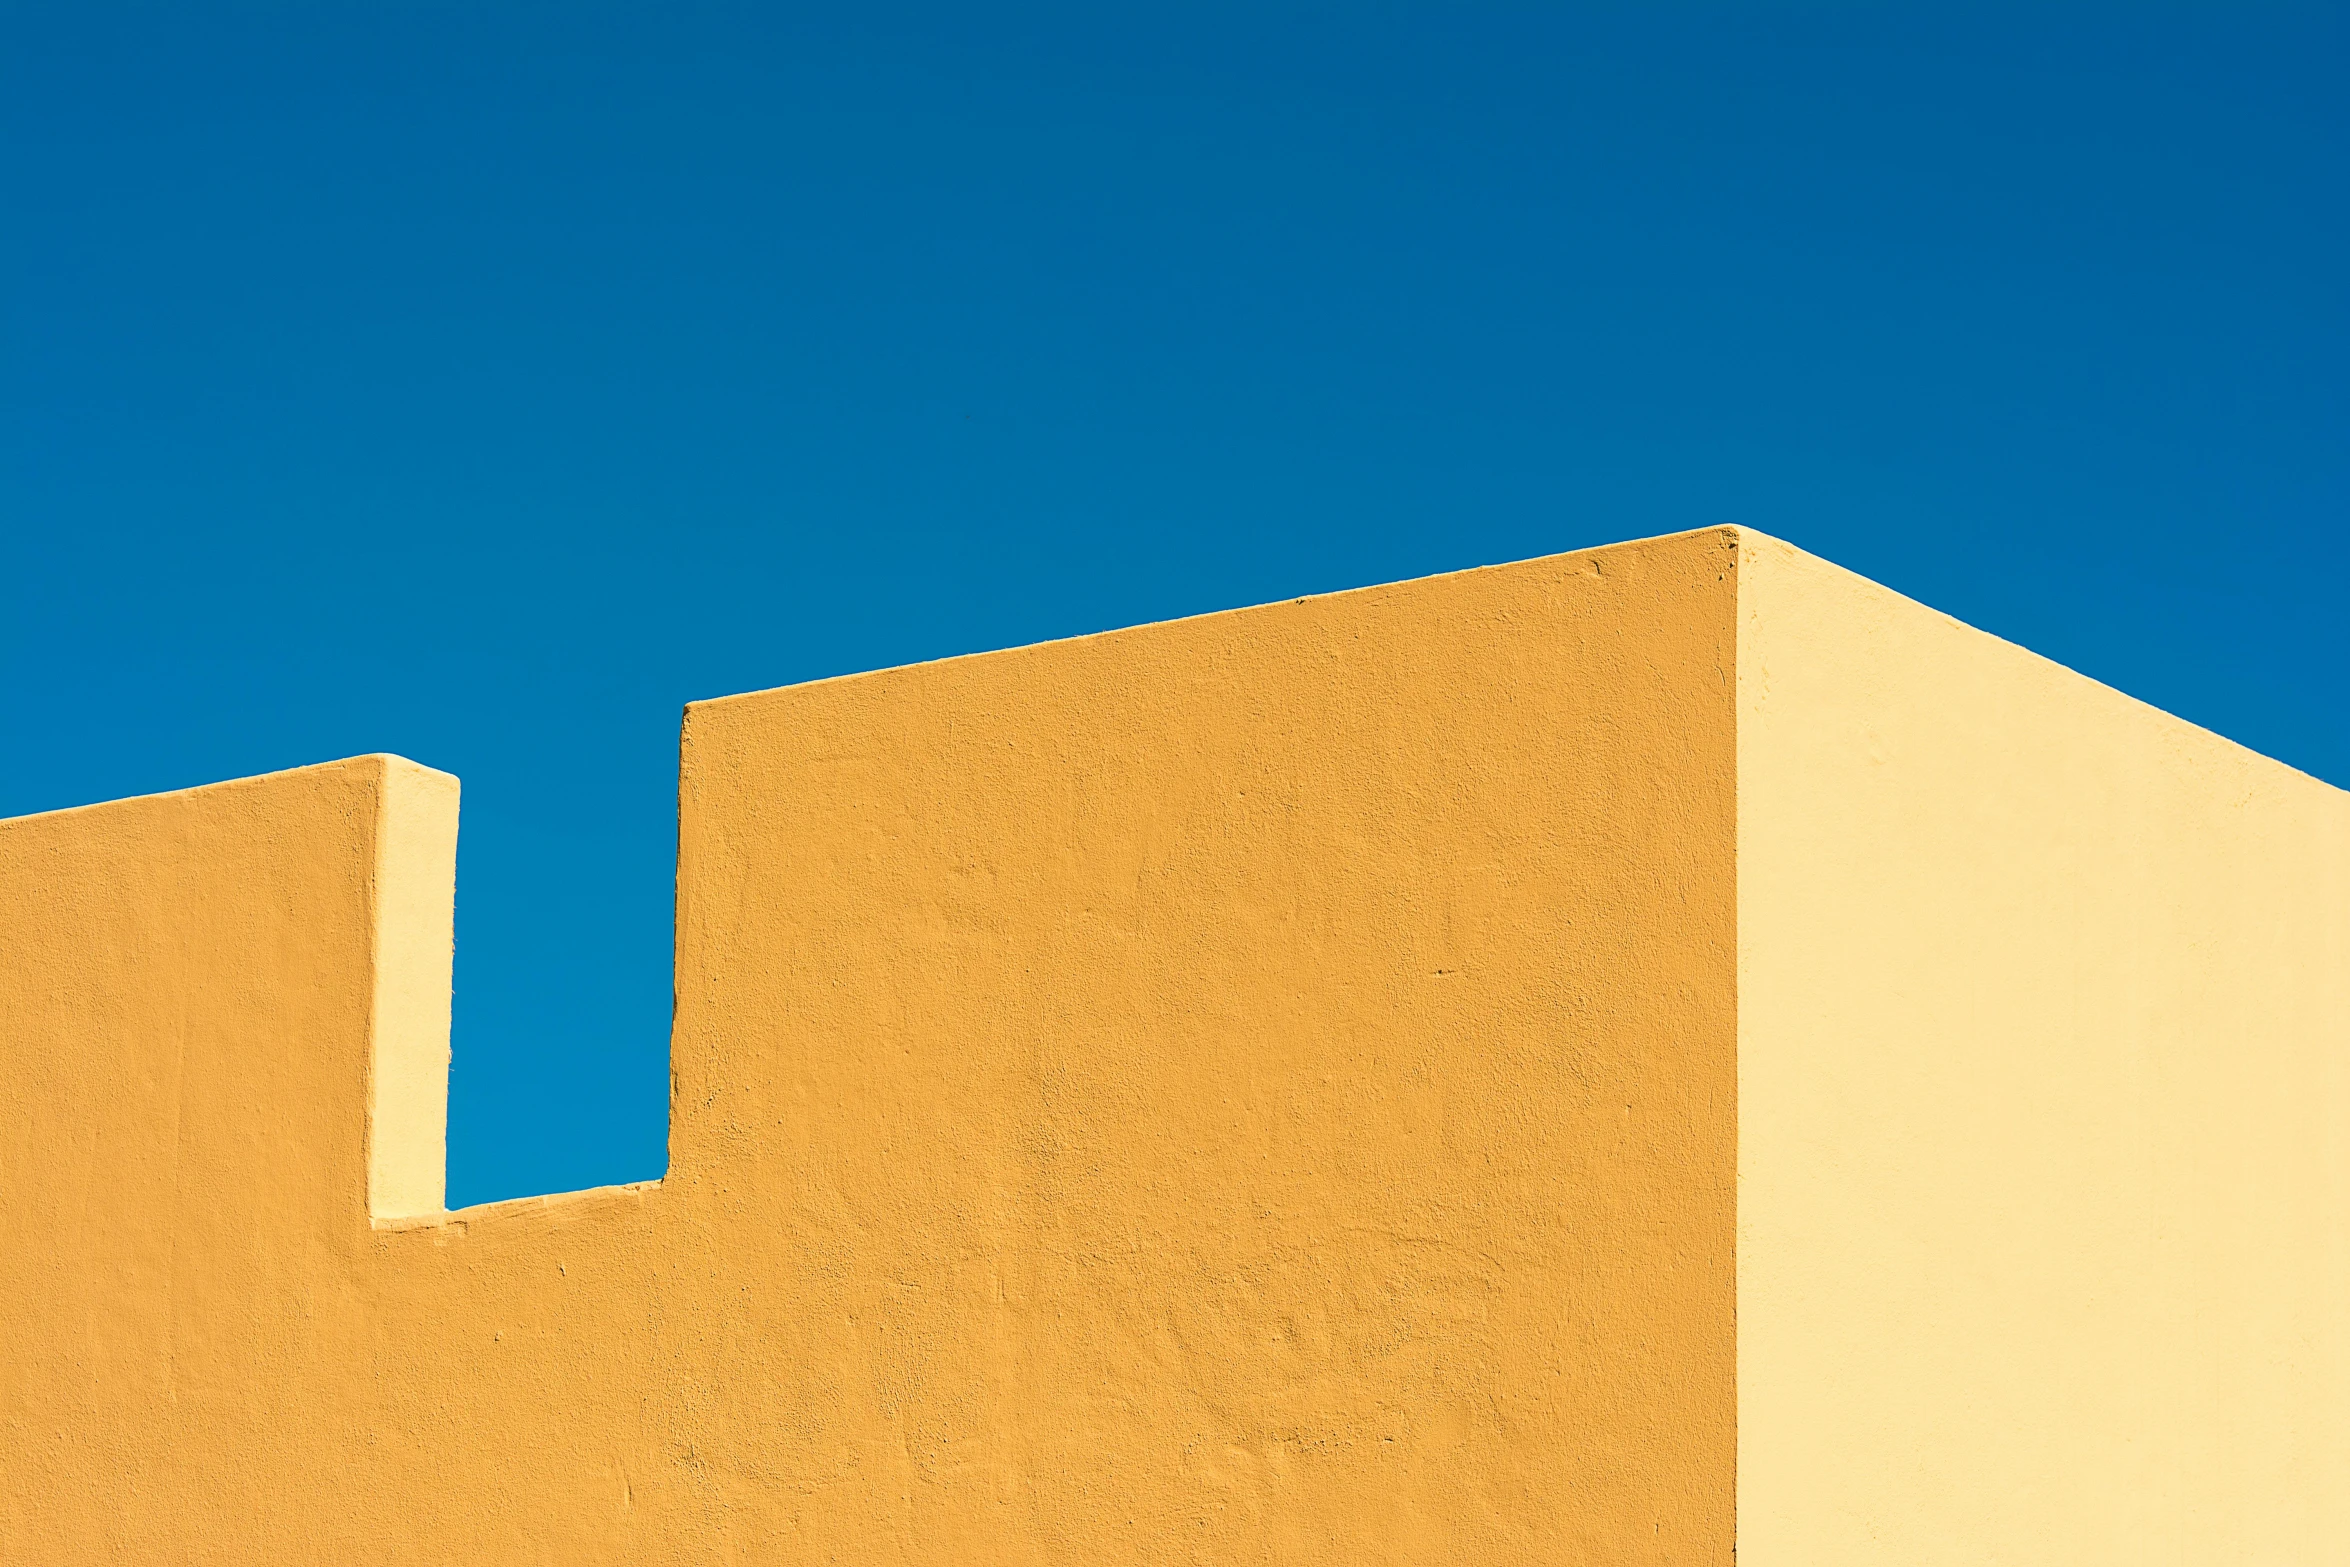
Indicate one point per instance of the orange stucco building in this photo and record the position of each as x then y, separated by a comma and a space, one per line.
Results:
1606, 1059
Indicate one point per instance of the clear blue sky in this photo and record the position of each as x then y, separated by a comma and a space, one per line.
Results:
484, 382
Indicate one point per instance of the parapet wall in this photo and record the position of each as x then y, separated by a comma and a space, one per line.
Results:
1601, 1059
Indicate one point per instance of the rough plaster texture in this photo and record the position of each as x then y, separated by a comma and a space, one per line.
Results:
1582, 1061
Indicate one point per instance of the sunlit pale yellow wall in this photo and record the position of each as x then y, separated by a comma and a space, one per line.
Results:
1253, 1089
2044, 1083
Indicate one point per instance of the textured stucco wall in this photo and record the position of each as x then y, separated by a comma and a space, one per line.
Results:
1580, 1061
1257, 1088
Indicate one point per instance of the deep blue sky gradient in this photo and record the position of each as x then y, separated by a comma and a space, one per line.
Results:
484, 382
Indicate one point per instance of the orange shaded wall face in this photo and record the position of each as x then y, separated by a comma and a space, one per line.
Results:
1253, 1088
